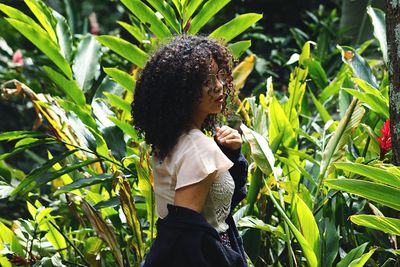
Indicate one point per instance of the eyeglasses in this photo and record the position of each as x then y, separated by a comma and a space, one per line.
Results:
221, 76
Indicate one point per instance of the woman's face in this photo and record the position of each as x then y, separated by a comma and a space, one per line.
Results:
212, 94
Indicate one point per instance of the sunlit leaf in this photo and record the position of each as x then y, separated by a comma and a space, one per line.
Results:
125, 49
380, 223
208, 10
86, 65
383, 194
236, 26
147, 17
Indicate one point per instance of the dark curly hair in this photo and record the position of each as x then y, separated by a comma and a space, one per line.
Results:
169, 88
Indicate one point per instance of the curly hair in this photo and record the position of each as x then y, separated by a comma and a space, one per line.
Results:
169, 88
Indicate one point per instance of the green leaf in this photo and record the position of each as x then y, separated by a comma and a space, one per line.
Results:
64, 36
122, 78
209, 9
40, 39
308, 226
122, 186
44, 16
260, 150
86, 64
125, 49
383, 194
125, 127
147, 17
332, 89
376, 174
279, 124
363, 259
118, 102
33, 181
359, 65
18, 15
236, 26
134, 31
15, 135
87, 118
103, 230
167, 12
354, 254
371, 101
380, 223
378, 20
317, 73
340, 137
305, 246
84, 183
70, 87
191, 7
239, 48
322, 112
21, 148
7, 236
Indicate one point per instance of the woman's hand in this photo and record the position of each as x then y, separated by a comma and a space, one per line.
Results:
228, 137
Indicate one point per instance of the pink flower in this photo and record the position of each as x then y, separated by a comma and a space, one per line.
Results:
385, 140
94, 25
18, 58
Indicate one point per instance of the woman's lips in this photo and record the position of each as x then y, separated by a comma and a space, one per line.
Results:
220, 99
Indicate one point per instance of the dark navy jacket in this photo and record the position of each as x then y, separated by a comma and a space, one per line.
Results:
186, 239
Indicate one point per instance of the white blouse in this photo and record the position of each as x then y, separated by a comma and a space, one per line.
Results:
192, 159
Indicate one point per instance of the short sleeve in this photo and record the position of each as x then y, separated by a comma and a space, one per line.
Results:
199, 157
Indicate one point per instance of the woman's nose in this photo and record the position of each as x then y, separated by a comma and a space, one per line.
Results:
219, 86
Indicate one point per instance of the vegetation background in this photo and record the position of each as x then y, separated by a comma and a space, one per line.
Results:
313, 98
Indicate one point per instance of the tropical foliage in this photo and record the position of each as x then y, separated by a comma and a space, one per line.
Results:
319, 153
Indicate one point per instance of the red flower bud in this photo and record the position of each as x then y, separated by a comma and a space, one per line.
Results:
385, 140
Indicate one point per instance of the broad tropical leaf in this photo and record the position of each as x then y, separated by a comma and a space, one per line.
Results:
125, 49
86, 65
208, 10
382, 194
380, 223
236, 26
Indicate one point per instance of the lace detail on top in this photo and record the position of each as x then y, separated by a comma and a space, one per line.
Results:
218, 203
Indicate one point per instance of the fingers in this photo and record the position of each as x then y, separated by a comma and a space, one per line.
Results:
229, 137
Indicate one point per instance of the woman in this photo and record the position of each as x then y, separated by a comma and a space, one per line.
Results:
197, 180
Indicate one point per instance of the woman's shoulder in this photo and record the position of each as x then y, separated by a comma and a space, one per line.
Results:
197, 138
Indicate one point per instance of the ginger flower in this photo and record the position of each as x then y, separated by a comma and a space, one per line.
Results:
385, 140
